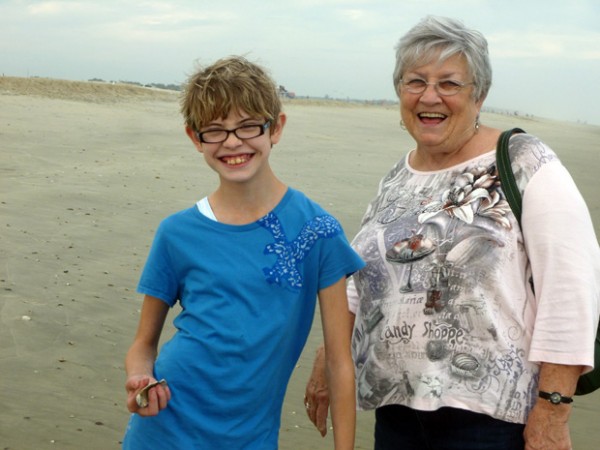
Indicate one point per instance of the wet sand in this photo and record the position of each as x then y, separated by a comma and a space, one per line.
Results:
88, 171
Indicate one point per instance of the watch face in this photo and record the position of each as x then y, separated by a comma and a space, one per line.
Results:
555, 398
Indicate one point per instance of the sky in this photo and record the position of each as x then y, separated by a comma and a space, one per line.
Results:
545, 54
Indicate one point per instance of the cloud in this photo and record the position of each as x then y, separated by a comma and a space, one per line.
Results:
316, 47
47, 8
540, 45
57, 8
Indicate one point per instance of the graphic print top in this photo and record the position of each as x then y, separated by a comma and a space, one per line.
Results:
445, 315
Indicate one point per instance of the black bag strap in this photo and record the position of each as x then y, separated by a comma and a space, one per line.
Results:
507, 177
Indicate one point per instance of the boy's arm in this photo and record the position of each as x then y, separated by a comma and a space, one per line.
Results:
139, 362
337, 332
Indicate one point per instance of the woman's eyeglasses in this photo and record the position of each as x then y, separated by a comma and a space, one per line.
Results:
442, 87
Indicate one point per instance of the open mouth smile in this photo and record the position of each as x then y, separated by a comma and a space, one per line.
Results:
431, 118
236, 160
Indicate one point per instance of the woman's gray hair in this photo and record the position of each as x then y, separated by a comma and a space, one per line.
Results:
441, 38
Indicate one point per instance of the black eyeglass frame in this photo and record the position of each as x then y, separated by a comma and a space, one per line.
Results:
260, 129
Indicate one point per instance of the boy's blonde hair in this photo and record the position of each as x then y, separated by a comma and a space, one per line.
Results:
230, 84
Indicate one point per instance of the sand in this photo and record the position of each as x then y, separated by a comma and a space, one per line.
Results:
87, 172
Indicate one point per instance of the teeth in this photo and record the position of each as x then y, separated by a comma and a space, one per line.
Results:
432, 115
235, 160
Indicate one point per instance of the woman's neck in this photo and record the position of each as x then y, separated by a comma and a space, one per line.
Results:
426, 160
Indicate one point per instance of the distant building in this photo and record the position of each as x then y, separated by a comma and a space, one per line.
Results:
283, 92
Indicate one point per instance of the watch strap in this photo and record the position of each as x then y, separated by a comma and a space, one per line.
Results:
555, 397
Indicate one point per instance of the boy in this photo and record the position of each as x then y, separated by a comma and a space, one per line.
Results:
246, 264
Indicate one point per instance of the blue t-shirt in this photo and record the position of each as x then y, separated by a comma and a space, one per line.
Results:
247, 295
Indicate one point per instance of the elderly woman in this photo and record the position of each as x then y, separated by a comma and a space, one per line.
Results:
470, 331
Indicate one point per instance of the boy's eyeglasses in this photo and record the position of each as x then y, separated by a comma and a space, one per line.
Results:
442, 87
243, 132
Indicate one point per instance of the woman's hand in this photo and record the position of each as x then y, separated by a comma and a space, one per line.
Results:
547, 427
316, 397
158, 396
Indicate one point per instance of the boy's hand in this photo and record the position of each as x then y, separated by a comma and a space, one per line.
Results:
158, 396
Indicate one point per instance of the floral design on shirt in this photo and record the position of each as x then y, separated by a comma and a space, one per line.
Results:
475, 191
290, 254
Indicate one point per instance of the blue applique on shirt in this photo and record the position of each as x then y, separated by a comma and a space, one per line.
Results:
291, 254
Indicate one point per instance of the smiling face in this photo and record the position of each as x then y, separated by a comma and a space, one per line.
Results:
239, 160
440, 124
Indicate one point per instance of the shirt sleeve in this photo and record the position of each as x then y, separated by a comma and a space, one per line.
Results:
565, 262
339, 260
158, 279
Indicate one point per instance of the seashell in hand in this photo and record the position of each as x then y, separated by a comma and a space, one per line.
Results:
142, 397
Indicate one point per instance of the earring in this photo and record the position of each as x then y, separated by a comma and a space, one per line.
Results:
477, 124
402, 125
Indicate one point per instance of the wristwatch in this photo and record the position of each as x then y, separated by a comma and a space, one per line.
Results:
556, 398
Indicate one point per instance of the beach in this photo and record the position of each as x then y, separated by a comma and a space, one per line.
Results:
88, 170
